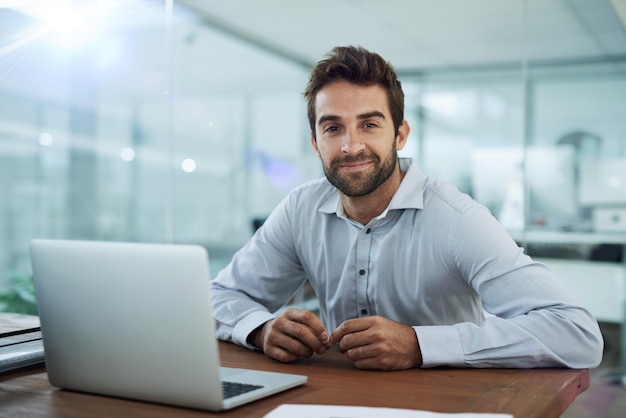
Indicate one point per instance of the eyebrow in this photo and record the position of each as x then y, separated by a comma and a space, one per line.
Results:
372, 114
362, 116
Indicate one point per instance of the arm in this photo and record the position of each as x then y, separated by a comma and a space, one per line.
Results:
534, 321
259, 280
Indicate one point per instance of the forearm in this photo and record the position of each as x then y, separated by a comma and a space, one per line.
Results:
236, 316
538, 339
534, 322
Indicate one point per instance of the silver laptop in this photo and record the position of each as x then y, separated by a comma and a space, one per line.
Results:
135, 321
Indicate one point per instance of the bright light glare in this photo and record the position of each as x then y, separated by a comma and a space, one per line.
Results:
127, 154
72, 29
188, 165
45, 139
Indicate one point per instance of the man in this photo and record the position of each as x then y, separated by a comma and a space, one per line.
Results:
409, 272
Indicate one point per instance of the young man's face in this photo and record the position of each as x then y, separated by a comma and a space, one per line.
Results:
355, 137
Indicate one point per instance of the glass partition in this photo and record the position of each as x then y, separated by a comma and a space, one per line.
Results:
587, 141
135, 121
143, 121
541, 141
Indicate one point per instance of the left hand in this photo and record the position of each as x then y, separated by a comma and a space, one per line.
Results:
378, 343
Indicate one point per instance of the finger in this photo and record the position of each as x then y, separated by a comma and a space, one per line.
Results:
370, 363
311, 320
290, 345
280, 342
281, 354
307, 327
381, 362
349, 327
357, 340
371, 357
297, 325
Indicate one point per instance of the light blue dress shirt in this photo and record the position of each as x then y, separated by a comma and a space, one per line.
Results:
434, 259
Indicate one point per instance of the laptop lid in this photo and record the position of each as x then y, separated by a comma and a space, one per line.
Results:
135, 321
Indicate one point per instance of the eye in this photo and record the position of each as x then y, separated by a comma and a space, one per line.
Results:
331, 128
370, 125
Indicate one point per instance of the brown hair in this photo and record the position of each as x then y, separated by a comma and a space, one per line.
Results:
359, 66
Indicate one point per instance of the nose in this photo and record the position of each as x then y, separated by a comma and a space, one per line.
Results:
352, 142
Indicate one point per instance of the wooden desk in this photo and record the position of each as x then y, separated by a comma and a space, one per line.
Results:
332, 380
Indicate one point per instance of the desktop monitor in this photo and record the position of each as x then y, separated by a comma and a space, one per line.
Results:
544, 176
495, 172
602, 181
552, 189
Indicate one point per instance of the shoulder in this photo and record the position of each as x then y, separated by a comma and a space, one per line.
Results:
312, 194
300, 210
444, 196
312, 187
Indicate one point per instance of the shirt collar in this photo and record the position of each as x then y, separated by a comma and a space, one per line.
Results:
410, 194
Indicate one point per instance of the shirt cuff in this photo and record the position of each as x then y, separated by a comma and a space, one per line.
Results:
248, 324
440, 346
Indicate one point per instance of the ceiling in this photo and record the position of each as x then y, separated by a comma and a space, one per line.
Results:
418, 35
283, 39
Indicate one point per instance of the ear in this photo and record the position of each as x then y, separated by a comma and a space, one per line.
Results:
314, 144
403, 135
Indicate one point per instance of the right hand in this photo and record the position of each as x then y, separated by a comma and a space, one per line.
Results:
295, 333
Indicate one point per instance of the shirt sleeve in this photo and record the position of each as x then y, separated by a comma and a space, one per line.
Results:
532, 320
261, 277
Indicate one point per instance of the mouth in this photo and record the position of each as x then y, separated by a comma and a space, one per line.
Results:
354, 165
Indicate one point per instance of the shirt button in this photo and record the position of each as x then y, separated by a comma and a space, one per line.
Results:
368, 230
362, 272
363, 311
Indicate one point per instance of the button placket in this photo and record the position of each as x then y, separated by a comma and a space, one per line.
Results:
363, 251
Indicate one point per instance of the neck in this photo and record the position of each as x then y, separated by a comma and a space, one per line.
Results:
365, 208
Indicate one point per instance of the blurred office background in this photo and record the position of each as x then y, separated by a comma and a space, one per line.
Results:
183, 121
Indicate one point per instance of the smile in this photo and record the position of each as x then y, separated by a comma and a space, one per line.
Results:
355, 166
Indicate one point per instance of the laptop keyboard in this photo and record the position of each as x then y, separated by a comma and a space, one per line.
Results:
20, 349
231, 389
